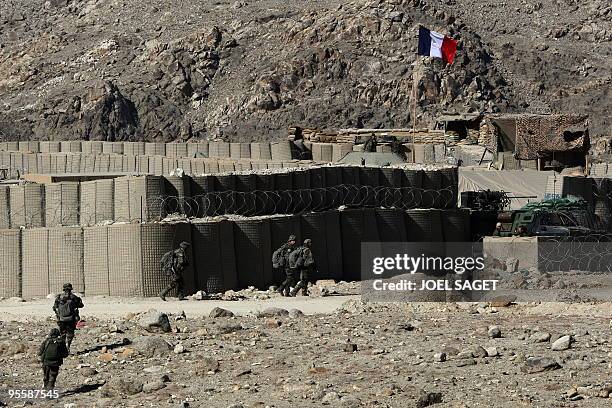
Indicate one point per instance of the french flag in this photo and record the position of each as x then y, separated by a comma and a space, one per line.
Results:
433, 44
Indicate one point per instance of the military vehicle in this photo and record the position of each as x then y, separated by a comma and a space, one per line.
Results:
555, 217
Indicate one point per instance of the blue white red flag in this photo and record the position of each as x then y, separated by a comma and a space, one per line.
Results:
433, 44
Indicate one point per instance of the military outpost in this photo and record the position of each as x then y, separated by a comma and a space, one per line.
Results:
111, 210
305, 204
195, 220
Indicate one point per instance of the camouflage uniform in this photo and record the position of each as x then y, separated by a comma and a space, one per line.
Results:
304, 263
289, 281
174, 270
52, 357
67, 328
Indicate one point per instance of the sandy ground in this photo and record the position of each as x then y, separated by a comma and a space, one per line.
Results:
116, 307
342, 353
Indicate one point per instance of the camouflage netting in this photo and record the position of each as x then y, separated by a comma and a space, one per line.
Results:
542, 134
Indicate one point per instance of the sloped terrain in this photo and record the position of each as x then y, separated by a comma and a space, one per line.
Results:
164, 70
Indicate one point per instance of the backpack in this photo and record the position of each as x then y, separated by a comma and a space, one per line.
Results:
167, 261
55, 350
278, 258
65, 311
296, 258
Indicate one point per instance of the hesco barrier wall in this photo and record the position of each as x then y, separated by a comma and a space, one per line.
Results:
253, 248
156, 240
5, 207
97, 201
19, 163
138, 198
214, 256
62, 204
124, 259
10, 263
150, 198
27, 205
51, 257
77, 156
602, 201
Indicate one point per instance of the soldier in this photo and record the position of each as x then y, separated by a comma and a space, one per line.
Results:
173, 264
370, 144
280, 260
498, 230
302, 260
66, 308
52, 352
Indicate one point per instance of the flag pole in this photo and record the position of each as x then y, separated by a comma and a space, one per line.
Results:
414, 103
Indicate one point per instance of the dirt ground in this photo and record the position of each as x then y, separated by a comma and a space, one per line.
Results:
340, 353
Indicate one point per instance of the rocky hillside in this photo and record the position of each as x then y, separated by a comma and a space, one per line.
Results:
246, 70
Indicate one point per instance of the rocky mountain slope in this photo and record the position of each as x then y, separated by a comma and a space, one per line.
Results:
246, 70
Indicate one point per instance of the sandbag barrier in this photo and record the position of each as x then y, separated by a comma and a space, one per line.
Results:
123, 259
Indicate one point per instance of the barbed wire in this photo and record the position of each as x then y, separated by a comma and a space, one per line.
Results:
249, 203
592, 252
261, 202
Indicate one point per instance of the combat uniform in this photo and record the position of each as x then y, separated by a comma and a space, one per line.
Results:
174, 270
52, 352
66, 311
283, 262
302, 262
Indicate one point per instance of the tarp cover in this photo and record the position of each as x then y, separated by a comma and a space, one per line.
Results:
514, 182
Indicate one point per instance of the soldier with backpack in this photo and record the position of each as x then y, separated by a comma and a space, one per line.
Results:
302, 260
280, 260
173, 264
66, 308
52, 352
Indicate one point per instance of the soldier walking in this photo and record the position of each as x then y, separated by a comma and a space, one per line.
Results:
173, 264
280, 260
52, 352
302, 260
66, 308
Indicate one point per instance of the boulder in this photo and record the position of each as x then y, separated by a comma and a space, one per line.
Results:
535, 365
121, 387
154, 321
272, 312
152, 346
562, 343
220, 312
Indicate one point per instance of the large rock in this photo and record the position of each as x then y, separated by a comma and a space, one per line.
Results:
121, 387
539, 337
272, 312
220, 312
111, 116
155, 321
152, 346
227, 328
429, 398
494, 332
535, 365
562, 343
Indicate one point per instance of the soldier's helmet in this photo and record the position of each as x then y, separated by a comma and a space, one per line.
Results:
307, 242
185, 245
67, 286
292, 238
